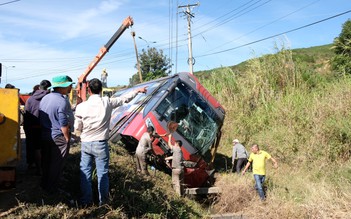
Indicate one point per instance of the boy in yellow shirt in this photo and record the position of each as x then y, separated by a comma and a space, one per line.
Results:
258, 159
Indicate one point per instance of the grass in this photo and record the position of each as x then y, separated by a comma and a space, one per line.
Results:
301, 117
131, 195
290, 103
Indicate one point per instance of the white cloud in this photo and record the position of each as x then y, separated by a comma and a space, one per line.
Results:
44, 38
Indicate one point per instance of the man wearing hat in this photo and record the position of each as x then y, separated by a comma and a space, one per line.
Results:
240, 153
53, 114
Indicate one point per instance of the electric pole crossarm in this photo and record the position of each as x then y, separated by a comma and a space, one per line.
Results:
189, 5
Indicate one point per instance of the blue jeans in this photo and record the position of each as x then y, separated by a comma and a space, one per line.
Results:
99, 151
259, 179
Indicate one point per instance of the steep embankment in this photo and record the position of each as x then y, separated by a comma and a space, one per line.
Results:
293, 106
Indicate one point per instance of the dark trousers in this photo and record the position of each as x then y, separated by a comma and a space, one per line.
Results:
54, 154
239, 164
33, 143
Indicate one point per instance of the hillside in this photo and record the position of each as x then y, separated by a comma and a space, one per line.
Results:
293, 106
315, 57
290, 103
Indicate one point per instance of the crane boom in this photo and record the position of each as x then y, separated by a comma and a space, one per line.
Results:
82, 85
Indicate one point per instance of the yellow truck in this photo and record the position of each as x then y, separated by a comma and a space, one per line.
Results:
105, 92
10, 139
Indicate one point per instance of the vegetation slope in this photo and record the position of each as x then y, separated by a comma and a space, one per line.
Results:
290, 103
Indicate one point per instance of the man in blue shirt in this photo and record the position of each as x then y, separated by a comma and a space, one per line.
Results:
53, 115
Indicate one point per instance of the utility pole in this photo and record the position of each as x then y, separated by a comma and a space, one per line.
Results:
189, 16
137, 57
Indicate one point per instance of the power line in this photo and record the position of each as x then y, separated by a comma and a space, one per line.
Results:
266, 38
9, 2
227, 13
217, 47
230, 12
234, 16
72, 67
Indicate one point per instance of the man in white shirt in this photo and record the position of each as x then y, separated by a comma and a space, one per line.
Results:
92, 119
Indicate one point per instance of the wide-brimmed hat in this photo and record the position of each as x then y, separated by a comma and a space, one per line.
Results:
61, 81
235, 141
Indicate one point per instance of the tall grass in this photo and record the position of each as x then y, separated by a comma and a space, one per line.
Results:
301, 117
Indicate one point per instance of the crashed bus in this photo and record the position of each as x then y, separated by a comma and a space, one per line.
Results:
181, 105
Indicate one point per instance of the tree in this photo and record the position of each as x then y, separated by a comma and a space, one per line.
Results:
341, 62
153, 64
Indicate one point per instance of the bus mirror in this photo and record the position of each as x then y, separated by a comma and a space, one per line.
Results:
172, 126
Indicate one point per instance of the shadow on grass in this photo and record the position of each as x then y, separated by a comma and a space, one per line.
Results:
136, 195
139, 196
223, 163
131, 195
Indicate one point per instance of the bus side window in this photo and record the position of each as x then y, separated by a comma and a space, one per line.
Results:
162, 109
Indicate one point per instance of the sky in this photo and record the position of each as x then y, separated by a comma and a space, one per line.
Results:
42, 39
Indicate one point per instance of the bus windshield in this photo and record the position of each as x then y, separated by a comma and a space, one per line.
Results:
119, 112
197, 122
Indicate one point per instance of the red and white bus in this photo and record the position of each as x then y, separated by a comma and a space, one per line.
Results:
178, 99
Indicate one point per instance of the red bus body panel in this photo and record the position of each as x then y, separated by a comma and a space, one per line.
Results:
135, 125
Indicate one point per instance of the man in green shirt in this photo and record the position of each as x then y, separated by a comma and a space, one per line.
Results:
258, 159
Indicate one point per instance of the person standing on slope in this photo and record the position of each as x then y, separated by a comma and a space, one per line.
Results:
239, 157
258, 159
